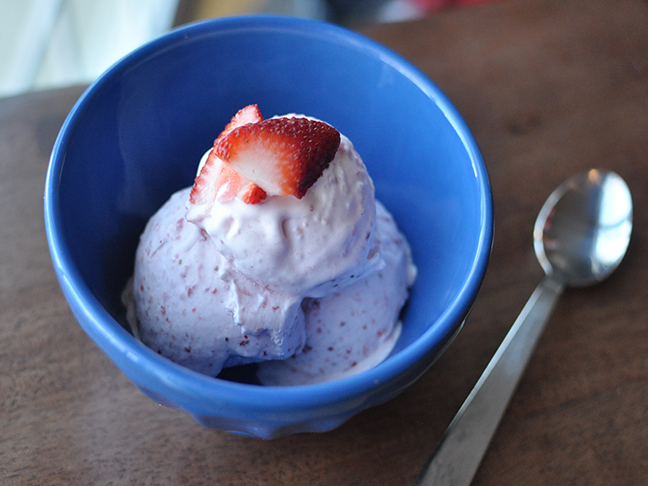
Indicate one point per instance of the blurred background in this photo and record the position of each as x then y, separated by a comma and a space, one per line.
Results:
48, 44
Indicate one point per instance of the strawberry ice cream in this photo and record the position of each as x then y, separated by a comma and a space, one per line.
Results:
356, 328
197, 310
279, 254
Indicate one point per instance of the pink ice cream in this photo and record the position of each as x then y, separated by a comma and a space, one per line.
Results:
311, 287
196, 309
302, 247
355, 328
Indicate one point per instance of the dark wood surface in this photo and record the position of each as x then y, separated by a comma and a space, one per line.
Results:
548, 88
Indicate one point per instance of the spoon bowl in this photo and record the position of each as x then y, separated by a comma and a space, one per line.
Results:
583, 230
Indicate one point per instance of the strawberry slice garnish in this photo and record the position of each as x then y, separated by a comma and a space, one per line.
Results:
249, 114
217, 180
283, 156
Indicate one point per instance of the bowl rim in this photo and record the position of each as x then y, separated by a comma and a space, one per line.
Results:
162, 373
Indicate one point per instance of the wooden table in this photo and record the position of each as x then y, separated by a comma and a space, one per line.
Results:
548, 88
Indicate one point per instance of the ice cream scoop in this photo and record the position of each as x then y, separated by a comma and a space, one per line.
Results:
188, 312
310, 246
355, 328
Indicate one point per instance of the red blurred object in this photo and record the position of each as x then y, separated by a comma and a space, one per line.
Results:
434, 5
470, 2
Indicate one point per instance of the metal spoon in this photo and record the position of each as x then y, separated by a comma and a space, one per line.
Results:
580, 237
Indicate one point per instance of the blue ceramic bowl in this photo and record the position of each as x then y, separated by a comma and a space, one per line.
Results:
137, 134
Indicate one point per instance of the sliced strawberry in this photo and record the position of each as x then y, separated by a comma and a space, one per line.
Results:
249, 114
217, 180
284, 156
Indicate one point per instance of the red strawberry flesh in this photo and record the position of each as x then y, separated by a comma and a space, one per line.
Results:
217, 180
284, 156
249, 114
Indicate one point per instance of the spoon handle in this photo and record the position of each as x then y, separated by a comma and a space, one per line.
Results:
464, 444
